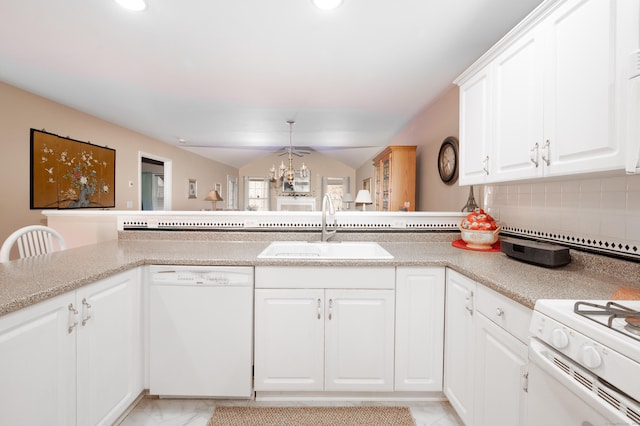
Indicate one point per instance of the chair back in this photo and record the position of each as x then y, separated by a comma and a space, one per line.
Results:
32, 240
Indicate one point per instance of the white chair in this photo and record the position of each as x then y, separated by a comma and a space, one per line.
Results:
33, 240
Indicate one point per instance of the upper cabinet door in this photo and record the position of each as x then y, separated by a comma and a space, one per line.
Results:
475, 128
581, 109
517, 84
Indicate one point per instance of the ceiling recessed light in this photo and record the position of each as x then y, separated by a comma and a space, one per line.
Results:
327, 4
135, 5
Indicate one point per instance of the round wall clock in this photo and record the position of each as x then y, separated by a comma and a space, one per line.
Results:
448, 160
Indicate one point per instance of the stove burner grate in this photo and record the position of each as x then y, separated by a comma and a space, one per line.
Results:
613, 310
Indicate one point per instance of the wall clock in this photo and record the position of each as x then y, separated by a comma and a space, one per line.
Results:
448, 160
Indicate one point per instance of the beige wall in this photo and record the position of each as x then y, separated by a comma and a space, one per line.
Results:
20, 111
427, 130
318, 164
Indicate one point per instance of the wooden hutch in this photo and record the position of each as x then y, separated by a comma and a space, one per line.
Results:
394, 171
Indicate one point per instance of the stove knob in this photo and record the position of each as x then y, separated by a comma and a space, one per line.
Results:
559, 338
591, 357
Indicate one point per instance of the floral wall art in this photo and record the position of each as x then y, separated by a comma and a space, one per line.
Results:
68, 174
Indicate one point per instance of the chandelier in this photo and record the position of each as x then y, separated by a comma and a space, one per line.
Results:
288, 172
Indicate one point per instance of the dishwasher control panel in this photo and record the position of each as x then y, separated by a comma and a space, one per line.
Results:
222, 276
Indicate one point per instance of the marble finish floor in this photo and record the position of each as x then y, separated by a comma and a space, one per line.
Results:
196, 412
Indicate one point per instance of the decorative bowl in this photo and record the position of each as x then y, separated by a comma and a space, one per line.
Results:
482, 240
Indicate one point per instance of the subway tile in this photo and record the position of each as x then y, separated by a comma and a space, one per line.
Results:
570, 200
589, 200
589, 223
553, 199
613, 201
633, 183
613, 226
614, 184
590, 185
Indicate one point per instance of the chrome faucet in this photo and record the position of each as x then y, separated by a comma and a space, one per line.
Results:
332, 211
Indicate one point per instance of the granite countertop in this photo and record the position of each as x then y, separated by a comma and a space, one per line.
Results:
28, 281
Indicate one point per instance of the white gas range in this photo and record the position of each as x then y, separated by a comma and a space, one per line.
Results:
584, 363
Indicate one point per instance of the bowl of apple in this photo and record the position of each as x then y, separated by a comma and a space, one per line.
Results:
479, 230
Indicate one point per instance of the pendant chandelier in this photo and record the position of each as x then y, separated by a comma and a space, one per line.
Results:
288, 172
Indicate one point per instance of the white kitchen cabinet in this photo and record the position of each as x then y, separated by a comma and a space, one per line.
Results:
502, 331
475, 128
289, 339
459, 344
359, 339
419, 328
555, 100
38, 367
500, 379
486, 336
336, 338
73, 359
109, 347
581, 88
517, 89
316, 339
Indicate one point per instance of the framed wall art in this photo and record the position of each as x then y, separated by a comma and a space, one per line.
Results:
69, 174
192, 189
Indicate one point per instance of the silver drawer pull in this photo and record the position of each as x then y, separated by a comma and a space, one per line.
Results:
73, 318
319, 309
499, 312
86, 313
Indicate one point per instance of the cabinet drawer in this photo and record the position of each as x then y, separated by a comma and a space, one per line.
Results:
508, 314
326, 277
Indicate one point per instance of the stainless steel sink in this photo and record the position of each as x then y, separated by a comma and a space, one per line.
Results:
324, 250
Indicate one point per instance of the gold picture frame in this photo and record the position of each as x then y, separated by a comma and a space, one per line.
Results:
70, 174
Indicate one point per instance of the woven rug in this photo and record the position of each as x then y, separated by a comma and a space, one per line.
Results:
311, 416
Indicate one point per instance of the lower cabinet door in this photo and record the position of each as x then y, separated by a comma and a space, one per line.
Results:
500, 376
419, 328
289, 340
359, 340
459, 345
38, 368
109, 348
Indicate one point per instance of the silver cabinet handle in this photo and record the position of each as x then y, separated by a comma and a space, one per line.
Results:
468, 303
73, 318
485, 165
499, 312
534, 153
330, 308
546, 156
319, 309
86, 313
525, 381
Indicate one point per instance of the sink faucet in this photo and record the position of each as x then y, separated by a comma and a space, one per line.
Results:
332, 211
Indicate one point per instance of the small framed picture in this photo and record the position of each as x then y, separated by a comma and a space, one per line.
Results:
192, 189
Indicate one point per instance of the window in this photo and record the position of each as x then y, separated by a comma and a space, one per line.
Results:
336, 188
256, 191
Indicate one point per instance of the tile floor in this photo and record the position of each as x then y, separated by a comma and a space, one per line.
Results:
196, 412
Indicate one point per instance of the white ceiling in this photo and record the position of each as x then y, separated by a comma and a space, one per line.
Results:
228, 75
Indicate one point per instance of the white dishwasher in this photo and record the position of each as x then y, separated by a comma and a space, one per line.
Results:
200, 331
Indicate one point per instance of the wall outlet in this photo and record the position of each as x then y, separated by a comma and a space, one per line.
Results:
129, 204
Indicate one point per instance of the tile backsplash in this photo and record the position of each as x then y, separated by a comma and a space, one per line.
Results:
601, 213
